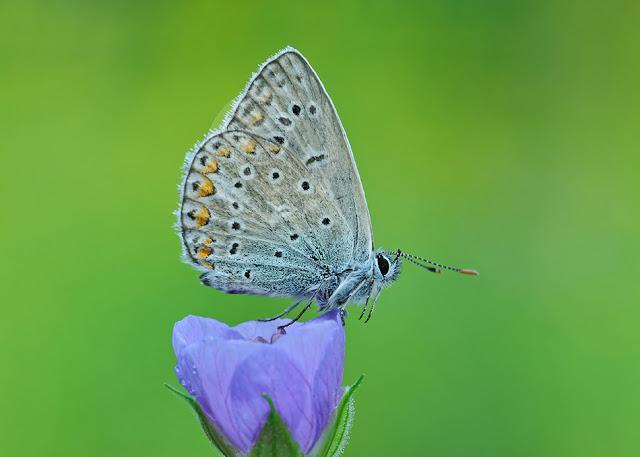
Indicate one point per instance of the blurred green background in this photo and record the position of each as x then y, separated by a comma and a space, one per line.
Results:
502, 136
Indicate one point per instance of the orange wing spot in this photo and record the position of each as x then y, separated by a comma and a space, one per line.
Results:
212, 167
273, 148
204, 252
202, 217
257, 117
206, 188
249, 147
224, 152
207, 240
206, 264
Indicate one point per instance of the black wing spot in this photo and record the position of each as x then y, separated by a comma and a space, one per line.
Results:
279, 139
247, 274
275, 175
294, 237
278, 254
326, 221
312, 109
195, 186
203, 160
312, 159
235, 205
237, 185
305, 185
247, 171
296, 109
285, 121
192, 215
234, 248
235, 226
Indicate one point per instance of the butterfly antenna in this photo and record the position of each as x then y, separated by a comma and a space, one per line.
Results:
426, 267
437, 267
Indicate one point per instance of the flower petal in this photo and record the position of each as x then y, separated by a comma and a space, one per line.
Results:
270, 372
317, 347
207, 371
194, 329
254, 330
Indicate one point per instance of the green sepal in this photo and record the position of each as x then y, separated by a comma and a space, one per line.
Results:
275, 439
335, 438
216, 439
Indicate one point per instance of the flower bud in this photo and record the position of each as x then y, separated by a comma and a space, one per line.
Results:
257, 389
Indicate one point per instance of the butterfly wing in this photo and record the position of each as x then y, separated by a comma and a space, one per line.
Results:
286, 103
255, 220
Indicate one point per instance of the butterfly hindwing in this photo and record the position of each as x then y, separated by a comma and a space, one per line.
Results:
285, 102
255, 220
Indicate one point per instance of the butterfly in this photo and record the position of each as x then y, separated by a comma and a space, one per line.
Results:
272, 204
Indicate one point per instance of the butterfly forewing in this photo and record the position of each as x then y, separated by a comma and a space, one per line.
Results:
287, 104
256, 220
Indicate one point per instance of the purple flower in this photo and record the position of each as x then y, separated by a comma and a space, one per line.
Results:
228, 369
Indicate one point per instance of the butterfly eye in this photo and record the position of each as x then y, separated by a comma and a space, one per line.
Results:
383, 264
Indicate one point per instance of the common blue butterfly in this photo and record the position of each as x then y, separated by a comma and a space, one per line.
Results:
272, 203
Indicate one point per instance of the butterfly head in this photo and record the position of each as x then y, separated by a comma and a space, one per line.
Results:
386, 267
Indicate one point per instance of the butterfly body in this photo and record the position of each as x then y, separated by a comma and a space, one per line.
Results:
272, 203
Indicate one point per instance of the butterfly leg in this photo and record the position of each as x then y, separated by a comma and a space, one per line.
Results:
364, 309
283, 313
295, 319
373, 306
343, 316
